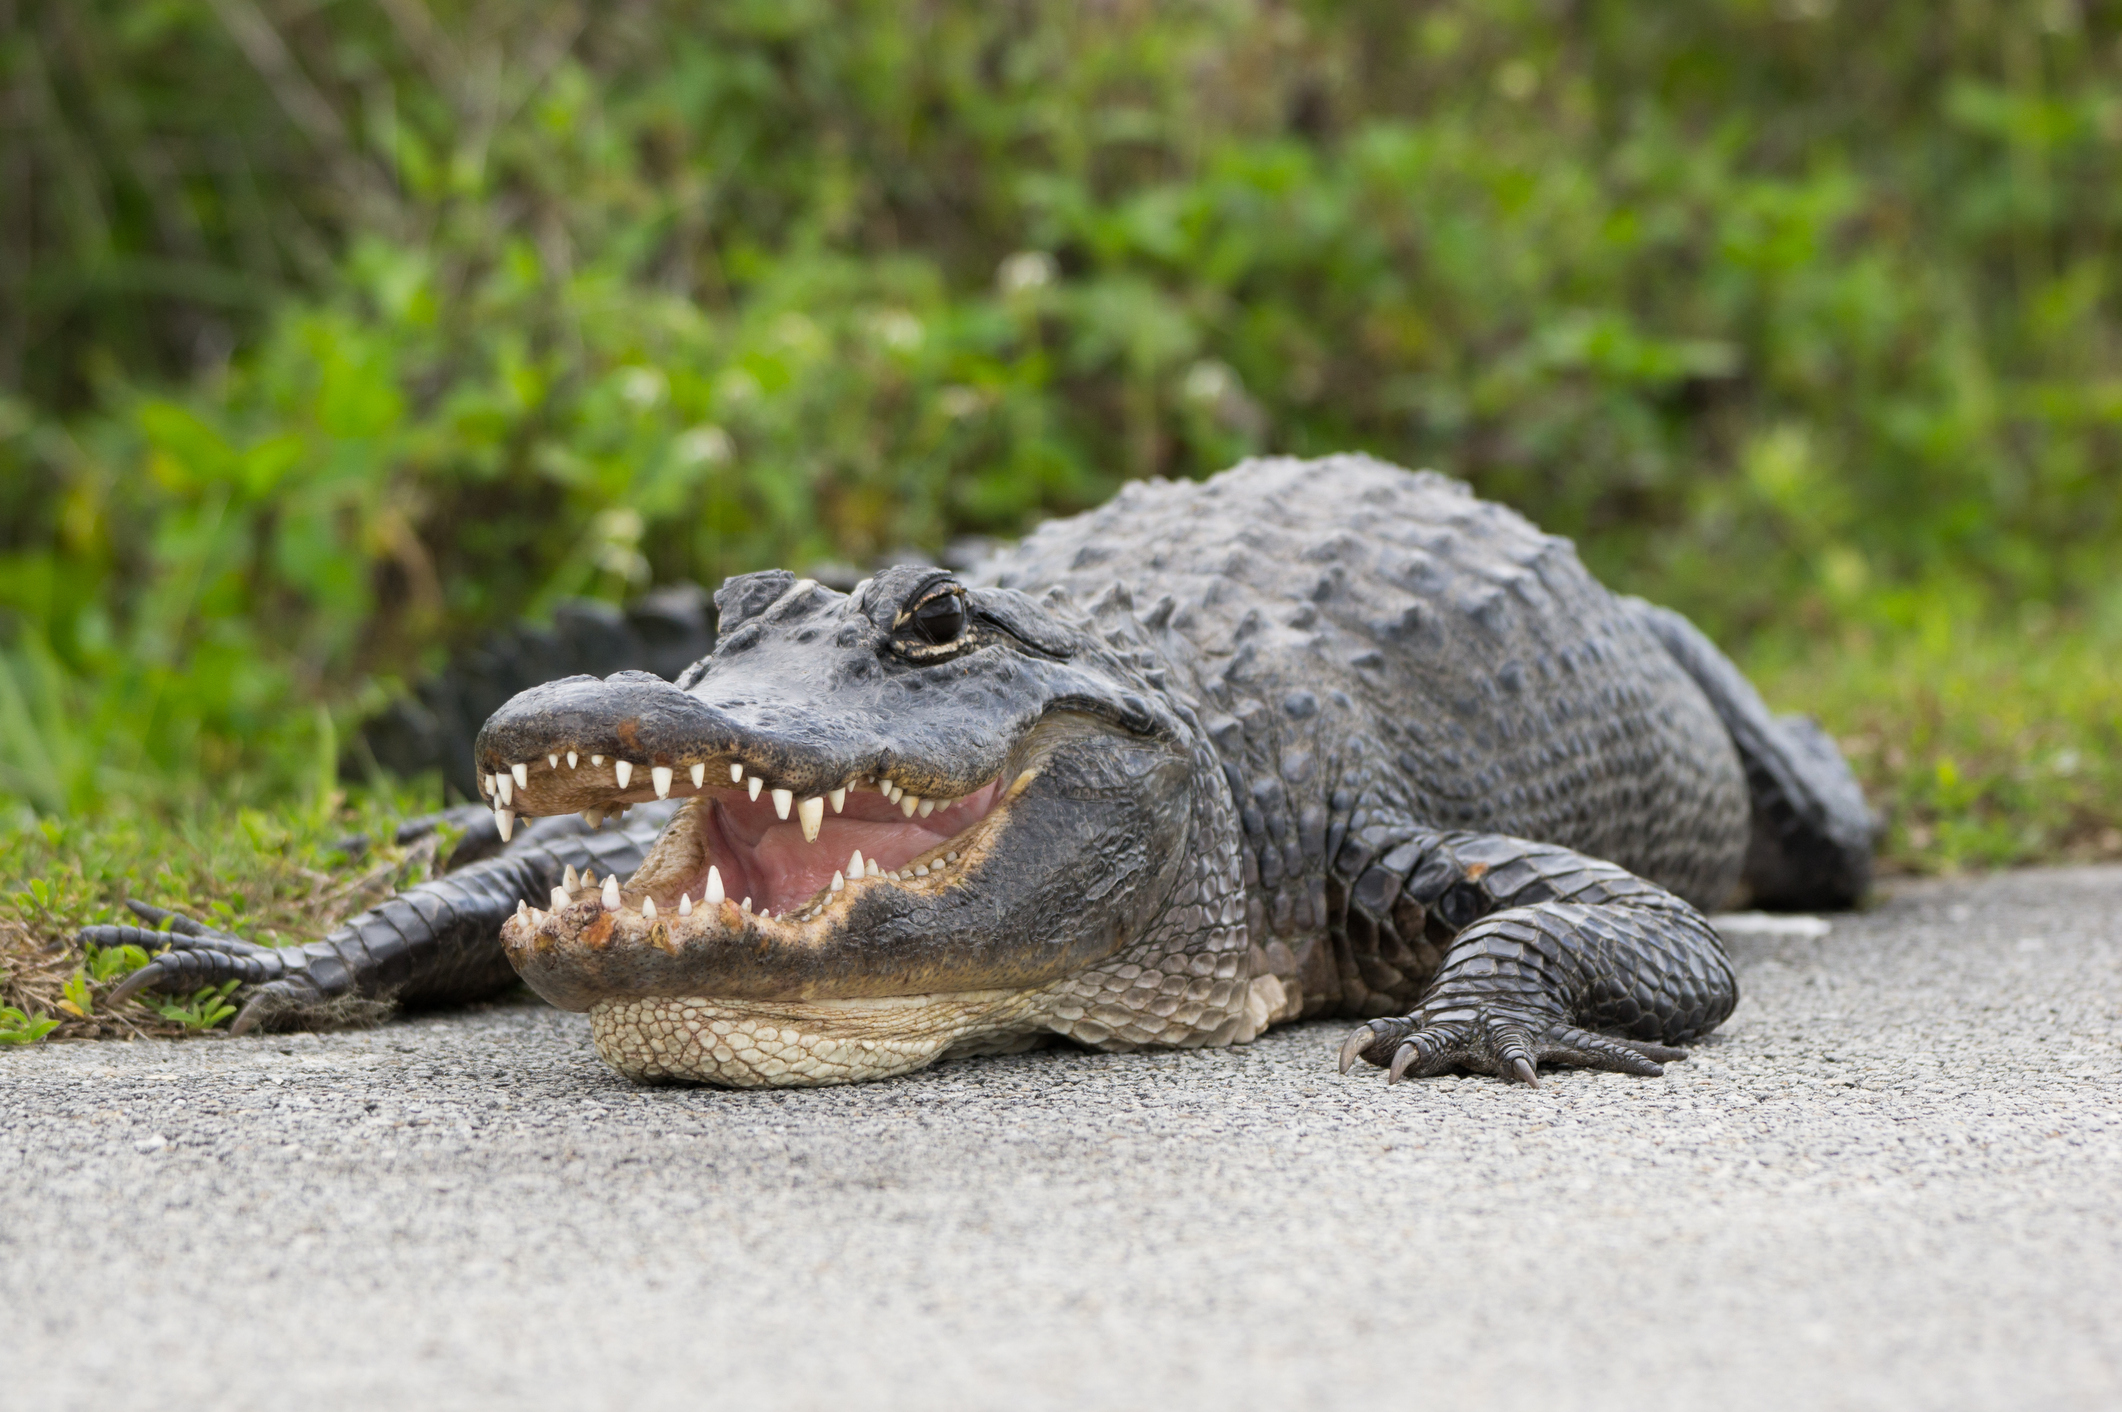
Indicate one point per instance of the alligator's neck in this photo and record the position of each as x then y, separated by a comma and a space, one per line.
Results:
1201, 973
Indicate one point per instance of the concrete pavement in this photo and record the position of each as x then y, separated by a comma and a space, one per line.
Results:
1893, 1180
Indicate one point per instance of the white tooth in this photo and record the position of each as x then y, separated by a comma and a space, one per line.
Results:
736, 774
839, 797
928, 807
589, 879
838, 882
755, 784
699, 775
593, 817
873, 870
537, 918
611, 892
894, 876
561, 898
661, 775
920, 870
648, 909
522, 907
572, 757
571, 879
713, 896
596, 759
745, 906
935, 865
505, 786
811, 814
782, 799
552, 762
505, 820
521, 770
685, 905
486, 784
854, 865
624, 769
894, 793
908, 804
950, 857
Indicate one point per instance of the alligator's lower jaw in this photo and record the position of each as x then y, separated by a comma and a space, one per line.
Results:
789, 1044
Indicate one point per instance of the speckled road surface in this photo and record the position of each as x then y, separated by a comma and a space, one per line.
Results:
1894, 1180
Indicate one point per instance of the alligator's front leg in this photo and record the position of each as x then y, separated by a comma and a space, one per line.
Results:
1548, 957
434, 944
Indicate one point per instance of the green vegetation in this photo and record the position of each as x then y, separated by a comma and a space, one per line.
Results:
274, 877
332, 336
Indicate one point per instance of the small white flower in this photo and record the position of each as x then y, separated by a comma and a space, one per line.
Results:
898, 330
958, 401
1208, 382
643, 388
1026, 270
704, 445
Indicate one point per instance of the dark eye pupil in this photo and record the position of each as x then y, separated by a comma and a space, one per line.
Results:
941, 619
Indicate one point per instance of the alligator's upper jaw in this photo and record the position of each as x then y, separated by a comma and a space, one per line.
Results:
597, 746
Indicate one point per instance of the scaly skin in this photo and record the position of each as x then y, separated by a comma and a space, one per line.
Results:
1310, 738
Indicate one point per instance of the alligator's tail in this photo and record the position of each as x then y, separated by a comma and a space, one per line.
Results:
662, 632
1812, 834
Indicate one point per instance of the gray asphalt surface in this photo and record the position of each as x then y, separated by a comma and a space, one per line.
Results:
1893, 1180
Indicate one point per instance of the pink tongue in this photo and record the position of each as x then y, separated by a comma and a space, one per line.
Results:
782, 870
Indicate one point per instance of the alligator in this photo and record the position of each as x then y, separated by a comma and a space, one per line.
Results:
1309, 738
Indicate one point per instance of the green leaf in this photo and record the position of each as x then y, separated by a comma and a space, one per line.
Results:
18, 1028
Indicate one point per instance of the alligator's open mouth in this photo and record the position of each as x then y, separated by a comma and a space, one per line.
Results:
852, 932
745, 851
746, 860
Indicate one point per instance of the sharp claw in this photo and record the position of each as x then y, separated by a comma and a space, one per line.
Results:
1523, 1068
246, 1017
1352, 1048
1403, 1059
132, 985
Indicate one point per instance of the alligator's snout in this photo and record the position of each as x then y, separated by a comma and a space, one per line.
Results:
875, 817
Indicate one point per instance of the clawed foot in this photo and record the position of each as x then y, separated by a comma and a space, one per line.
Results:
191, 955
1510, 1044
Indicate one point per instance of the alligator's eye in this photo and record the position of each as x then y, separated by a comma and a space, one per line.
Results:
940, 618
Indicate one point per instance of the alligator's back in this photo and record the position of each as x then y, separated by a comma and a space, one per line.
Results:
1366, 639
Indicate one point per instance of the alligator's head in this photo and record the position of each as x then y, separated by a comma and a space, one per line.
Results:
912, 811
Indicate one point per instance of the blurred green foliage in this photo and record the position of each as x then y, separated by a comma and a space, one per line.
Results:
334, 334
